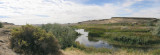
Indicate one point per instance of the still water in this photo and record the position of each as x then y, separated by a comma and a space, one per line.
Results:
83, 39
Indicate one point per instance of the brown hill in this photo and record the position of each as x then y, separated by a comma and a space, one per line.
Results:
132, 20
6, 23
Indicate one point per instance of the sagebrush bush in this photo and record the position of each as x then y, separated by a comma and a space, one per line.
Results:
30, 40
1, 25
65, 34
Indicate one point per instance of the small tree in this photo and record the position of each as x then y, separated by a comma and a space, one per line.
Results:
156, 31
30, 40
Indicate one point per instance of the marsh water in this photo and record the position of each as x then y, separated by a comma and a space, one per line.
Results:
98, 43
84, 39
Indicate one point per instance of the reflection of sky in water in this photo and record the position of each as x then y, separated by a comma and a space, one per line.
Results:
83, 39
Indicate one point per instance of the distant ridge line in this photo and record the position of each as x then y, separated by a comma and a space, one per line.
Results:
135, 17
121, 20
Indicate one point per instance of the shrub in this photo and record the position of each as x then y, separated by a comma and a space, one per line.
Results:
1, 25
156, 31
30, 40
65, 34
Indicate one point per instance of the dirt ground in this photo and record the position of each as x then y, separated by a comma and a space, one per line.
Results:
4, 42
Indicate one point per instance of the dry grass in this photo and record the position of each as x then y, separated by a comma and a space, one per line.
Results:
75, 51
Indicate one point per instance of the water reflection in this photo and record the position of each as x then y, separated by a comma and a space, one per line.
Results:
83, 39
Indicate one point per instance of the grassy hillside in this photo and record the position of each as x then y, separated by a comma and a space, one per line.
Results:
124, 21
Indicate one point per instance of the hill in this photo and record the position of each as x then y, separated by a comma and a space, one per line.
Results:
130, 20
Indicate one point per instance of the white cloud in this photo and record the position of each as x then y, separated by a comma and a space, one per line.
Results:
60, 11
129, 3
152, 12
78, 0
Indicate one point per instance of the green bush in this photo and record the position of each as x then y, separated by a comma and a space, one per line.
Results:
30, 40
1, 25
65, 34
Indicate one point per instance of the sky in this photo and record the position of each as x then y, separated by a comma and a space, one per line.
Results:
21, 12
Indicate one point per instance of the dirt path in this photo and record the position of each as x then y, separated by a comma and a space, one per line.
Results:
4, 43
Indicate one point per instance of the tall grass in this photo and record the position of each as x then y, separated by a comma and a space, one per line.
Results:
65, 34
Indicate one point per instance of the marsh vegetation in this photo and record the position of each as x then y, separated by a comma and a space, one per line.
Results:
125, 36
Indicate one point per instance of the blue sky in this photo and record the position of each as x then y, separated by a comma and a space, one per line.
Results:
136, 6
4, 17
71, 11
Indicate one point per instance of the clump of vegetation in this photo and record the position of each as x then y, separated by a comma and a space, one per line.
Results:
65, 34
132, 40
1, 25
30, 40
96, 32
156, 31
